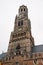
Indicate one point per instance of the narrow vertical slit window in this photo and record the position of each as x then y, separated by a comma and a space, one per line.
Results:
19, 23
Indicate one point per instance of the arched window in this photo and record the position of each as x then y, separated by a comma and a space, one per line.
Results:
18, 23
24, 9
21, 22
18, 52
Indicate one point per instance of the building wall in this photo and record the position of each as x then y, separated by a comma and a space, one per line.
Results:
19, 60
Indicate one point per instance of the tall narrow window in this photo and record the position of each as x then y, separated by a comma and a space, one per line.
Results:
24, 9
18, 50
21, 10
20, 23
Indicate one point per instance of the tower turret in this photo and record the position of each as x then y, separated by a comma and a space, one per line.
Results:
21, 40
23, 11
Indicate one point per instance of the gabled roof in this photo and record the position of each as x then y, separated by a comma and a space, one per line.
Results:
38, 48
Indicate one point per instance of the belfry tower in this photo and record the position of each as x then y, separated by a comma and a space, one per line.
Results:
21, 49
21, 40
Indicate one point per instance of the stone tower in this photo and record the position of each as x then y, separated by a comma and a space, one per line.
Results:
21, 40
21, 49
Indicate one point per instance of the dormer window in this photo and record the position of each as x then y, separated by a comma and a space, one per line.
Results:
20, 23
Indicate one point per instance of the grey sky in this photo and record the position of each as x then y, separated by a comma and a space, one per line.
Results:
8, 11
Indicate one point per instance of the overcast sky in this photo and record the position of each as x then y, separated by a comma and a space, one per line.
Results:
8, 11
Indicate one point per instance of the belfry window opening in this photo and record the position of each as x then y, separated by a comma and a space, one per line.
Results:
20, 23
